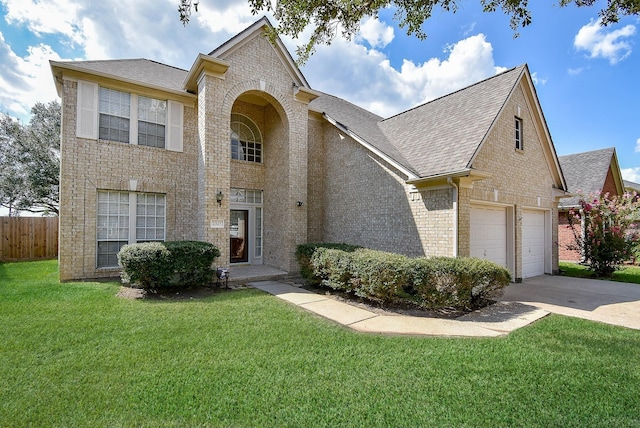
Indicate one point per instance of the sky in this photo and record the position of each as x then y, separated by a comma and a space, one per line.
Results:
586, 76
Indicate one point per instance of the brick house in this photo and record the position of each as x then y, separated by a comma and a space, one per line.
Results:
585, 173
242, 152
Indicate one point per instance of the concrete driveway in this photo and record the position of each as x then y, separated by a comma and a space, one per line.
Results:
609, 302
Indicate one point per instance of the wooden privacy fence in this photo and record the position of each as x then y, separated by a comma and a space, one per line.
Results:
28, 238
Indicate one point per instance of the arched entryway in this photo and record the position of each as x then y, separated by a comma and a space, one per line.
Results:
259, 180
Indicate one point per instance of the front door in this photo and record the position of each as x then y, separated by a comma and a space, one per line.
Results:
239, 236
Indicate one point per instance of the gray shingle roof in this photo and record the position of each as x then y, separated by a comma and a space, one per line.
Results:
631, 185
585, 172
361, 122
142, 71
443, 135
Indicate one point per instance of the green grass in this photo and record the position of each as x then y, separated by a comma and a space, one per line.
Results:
75, 355
625, 274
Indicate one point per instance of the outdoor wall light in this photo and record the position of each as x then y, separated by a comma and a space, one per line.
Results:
219, 197
299, 203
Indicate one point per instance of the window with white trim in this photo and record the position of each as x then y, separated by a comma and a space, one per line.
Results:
518, 134
152, 119
115, 107
246, 141
127, 218
113, 115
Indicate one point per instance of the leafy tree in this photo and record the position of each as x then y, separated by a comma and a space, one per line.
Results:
605, 232
330, 16
30, 161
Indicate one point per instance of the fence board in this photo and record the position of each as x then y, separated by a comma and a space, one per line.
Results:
28, 238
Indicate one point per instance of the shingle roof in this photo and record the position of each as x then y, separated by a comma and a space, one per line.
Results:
443, 135
142, 71
585, 172
361, 122
631, 185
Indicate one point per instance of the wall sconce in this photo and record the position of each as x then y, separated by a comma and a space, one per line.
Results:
219, 198
299, 203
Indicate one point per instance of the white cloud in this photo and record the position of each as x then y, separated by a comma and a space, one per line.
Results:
377, 34
537, 80
367, 78
631, 174
25, 80
638, 145
600, 43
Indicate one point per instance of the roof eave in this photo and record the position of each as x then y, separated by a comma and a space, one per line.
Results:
204, 64
59, 68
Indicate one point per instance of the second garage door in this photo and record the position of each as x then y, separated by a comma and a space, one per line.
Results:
488, 232
533, 243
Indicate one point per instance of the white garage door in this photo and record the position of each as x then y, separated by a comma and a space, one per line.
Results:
489, 234
533, 243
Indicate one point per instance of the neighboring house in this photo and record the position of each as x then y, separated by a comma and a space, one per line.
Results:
630, 186
586, 173
241, 152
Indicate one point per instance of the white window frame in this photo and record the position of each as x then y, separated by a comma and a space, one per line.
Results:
252, 140
251, 200
88, 114
132, 222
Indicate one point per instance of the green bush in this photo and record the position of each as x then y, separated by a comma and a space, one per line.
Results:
386, 277
180, 264
378, 275
305, 251
332, 268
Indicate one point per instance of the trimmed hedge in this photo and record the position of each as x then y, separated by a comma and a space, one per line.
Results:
179, 264
305, 251
386, 277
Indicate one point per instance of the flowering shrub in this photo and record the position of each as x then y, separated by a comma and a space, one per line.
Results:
604, 230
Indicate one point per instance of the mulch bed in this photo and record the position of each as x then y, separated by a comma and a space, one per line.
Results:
389, 309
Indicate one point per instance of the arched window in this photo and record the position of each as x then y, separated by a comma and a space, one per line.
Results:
246, 141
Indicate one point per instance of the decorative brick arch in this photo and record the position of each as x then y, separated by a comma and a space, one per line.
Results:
281, 104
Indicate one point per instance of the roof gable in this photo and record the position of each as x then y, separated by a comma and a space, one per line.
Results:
257, 29
587, 172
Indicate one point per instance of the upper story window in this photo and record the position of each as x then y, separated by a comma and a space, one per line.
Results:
246, 141
152, 118
113, 115
518, 134
115, 107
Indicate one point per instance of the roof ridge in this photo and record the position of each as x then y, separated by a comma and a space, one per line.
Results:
455, 92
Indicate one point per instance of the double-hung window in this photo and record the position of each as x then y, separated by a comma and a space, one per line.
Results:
113, 115
115, 107
127, 218
152, 118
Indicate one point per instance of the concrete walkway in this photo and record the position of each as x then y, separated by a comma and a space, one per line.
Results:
496, 320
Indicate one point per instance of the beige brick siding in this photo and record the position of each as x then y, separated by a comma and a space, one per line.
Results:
520, 178
89, 165
368, 203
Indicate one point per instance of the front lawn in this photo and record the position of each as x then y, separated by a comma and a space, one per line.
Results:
625, 274
75, 355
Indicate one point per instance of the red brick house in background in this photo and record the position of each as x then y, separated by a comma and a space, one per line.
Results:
585, 173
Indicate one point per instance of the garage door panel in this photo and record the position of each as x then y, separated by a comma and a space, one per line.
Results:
533, 243
488, 234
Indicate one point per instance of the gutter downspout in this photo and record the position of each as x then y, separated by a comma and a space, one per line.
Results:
455, 215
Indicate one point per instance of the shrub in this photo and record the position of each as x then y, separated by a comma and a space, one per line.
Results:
385, 277
153, 265
378, 275
305, 251
332, 268
604, 230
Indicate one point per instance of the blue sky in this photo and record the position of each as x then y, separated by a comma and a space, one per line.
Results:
585, 75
